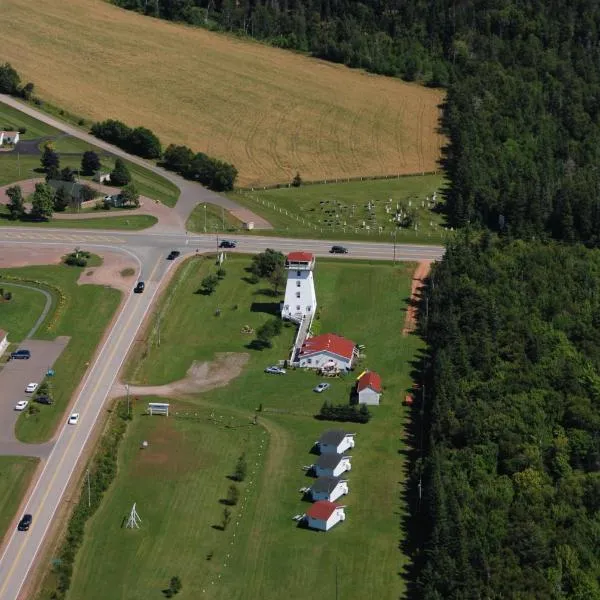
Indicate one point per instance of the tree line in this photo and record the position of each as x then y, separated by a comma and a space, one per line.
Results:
511, 465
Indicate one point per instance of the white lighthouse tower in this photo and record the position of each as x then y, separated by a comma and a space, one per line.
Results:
300, 301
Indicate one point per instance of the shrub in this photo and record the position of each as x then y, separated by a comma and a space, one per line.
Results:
344, 412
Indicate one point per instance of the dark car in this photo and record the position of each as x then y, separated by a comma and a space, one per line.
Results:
227, 244
173, 254
21, 354
25, 523
44, 400
139, 288
338, 250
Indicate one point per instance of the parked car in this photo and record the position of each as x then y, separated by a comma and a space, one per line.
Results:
25, 523
139, 288
74, 419
227, 244
338, 250
31, 387
275, 370
21, 404
173, 254
44, 400
21, 354
322, 387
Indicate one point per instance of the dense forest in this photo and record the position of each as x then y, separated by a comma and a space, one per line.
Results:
512, 474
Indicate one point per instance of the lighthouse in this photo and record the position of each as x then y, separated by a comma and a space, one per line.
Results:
300, 300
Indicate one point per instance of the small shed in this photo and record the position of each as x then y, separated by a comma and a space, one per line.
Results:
323, 515
332, 465
9, 137
3, 341
328, 488
100, 177
368, 388
335, 441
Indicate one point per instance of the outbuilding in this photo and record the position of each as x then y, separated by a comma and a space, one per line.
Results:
368, 388
3, 341
9, 137
332, 465
335, 441
323, 515
328, 488
328, 351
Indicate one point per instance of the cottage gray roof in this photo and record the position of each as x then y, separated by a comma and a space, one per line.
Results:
324, 484
332, 437
329, 461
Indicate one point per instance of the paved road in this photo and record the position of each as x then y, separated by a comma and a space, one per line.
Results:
150, 249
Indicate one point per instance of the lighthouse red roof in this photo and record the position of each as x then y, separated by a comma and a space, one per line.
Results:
300, 257
328, 342
322, 510
369, 379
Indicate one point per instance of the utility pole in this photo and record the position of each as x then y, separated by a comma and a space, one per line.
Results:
88, 487
205, 218
223, 217
19, 164
127, 386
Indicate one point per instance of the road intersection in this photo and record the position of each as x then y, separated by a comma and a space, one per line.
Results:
149, 248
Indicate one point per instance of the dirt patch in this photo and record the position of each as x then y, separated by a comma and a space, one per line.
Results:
110, 272
201, 377
16, 256
418, 280
247, 216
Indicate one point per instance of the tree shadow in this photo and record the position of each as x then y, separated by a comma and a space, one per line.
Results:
259, 345
218, 527
269, 308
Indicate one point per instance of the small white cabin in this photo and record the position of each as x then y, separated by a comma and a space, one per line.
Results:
328, 488
9, 137
324, 515
335, 441
332, 465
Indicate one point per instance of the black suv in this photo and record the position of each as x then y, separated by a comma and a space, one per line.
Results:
139, 288
173, 254
227, 244
338, 250
22, 354
44, 400
25, 523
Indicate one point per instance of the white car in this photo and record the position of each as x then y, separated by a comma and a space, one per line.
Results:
21, 404
275, 370
322, 387
74, 419
31, 388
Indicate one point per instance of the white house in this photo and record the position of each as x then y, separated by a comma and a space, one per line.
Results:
327, 351
323, 515
300, 299
9, 137
335, 441
332, 465
3, 341
328, 488
368, 388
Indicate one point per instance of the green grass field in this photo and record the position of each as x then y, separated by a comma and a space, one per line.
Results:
268, 553
15, 475
18, 315
341, 210
13, 119
216, 220
83, 314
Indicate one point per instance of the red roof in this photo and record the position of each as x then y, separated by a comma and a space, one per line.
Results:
3, 334
369, 379
322, 510
328, 341
300, 257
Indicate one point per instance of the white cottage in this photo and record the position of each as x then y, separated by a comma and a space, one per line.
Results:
328, 488
332, 465
327, 351
9, 137
323, 515
335, 441
368, 388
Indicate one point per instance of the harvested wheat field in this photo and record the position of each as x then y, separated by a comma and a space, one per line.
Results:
268, 111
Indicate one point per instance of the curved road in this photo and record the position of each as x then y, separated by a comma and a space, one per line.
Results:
150, 249
47, 306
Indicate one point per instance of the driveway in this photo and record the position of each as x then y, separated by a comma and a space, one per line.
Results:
14, 377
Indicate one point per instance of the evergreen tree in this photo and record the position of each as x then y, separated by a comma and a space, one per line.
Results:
120, 175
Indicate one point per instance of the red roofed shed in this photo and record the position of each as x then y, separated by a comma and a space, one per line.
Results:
324, 515
368, 388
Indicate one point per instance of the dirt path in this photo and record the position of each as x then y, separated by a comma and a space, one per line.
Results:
201, 377
418, 279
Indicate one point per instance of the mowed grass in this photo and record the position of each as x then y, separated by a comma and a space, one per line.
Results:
268, 111
212, 218
268, 553
15, 475
86, 313
341, 210
13, 119
18, 315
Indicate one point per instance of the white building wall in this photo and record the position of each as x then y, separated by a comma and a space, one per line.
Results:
318, 360
337, 516
368, 396
342, 467
345, 444
3, 345
340, 489
300, 297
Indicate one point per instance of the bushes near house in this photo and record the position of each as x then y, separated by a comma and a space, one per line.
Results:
344, 412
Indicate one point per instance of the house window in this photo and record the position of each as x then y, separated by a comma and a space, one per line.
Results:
298, 307
297, 294
298, 284
308, 308
298, 273
309, 361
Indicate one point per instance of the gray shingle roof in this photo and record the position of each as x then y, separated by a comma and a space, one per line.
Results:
332, 436
329, 461
324, 484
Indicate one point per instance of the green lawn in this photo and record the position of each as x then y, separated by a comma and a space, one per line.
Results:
340, 210
268, 554
69, 144
18, 315
83, 314
212, 219
152, 185
13, 119
15, 475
